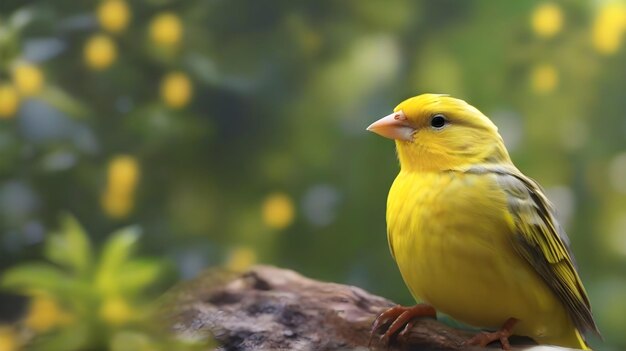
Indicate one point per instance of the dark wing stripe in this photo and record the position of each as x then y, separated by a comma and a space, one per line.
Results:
542, 241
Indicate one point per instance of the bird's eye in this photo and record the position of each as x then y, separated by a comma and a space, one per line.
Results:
438, 121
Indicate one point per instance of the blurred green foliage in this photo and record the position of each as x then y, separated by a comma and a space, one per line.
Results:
80, 299
232, 132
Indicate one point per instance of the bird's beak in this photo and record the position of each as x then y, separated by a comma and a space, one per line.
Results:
394, 126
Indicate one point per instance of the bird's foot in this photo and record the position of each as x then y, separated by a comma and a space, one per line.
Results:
398, 317
484, 338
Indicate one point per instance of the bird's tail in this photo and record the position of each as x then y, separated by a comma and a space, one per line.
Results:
581, 341
572, 339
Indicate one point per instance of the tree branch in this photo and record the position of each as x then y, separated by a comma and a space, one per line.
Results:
278, 309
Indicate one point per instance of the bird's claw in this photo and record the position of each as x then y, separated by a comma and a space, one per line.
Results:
400, 317
484, 338
409, 325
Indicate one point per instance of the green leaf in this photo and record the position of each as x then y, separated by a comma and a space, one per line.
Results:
64, 102
129, 340
138, 274
71, 247
39, 276
114, 254
77, 336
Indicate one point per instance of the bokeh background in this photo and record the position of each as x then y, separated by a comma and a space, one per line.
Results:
233, 132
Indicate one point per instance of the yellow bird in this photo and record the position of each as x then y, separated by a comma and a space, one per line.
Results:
473, 237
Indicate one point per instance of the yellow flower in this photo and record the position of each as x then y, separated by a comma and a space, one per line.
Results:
123, 176
115, 311
241, 258
43, 313
123, 173
176, 89
544, 78
8, 339
100, 52
9, 100
117, 204
28, 79
547, 20
608, 27
114, 15
166, 29
277, 210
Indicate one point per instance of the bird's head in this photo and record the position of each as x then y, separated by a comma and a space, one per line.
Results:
437, 132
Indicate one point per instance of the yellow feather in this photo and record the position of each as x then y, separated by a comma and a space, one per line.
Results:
475, 238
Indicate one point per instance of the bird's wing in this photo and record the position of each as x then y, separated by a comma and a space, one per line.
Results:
541, 241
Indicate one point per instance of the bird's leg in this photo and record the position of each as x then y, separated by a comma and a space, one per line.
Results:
502, 335
400, 316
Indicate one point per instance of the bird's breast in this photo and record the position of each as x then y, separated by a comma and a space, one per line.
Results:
441, 212
449, 237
